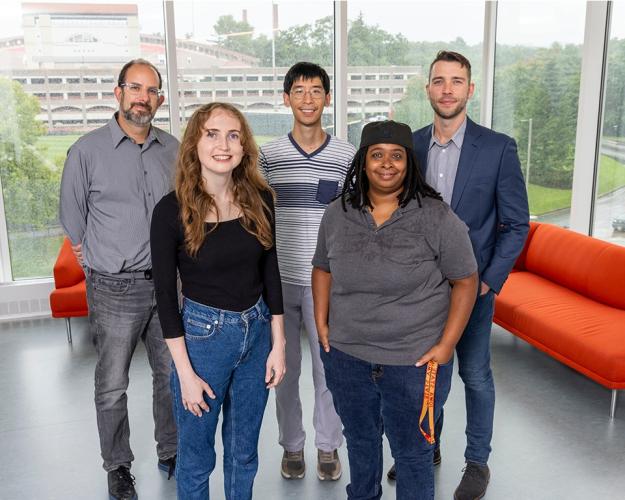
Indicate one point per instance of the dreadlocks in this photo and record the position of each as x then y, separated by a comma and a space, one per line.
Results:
356, 185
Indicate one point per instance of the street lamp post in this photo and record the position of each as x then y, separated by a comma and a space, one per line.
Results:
529, 150
274, 30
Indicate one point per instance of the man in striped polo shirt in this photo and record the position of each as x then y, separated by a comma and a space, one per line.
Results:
306, 168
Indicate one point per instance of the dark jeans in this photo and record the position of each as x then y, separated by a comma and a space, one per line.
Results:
228, 350
122, 311
473, 352
374, 399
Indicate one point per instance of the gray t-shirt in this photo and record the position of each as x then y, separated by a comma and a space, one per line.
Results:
390, 291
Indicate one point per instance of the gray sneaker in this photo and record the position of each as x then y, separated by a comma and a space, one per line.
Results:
328, 465
293, 466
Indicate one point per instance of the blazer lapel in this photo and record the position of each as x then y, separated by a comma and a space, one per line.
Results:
421, 141
466, 161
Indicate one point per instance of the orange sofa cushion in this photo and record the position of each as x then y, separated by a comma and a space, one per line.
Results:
69, 297
67, 270
70, 301
588, 266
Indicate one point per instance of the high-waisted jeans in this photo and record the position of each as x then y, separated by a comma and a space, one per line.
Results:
228, 350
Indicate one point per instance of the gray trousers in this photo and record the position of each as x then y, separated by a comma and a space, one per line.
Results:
122, 311
298, 310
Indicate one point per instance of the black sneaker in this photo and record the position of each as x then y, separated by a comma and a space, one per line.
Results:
436, 460
121, 484
168, 465
474, 482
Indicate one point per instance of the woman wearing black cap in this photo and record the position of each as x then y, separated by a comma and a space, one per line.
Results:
394, 281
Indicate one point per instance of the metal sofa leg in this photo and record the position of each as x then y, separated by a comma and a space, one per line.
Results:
68, 327
613, 404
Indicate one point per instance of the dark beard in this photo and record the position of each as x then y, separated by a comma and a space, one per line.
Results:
139, 119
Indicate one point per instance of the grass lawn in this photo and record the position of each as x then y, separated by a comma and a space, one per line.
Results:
56, 145
33, 256
544, 200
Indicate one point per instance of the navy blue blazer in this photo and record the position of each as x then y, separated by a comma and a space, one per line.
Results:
489, 196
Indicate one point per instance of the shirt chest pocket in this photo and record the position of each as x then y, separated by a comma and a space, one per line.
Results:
327, 190
406, 248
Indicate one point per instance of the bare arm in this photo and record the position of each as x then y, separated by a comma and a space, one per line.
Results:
463, 294
276, 362
321, 284
192, 387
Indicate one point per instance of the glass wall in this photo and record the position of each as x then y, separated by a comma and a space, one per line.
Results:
58, 67
59, 63
537, 75
609, 209
238, 52
390, 48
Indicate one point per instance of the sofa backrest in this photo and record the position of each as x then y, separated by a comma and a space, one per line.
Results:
67, 270
588, 266
520, 261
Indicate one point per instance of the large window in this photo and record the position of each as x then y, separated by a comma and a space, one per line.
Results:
238, 52
537, 75
58, 67
609, 210
390, 48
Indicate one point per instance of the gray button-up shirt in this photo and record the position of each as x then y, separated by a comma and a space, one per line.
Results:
443, 162
390, 291
108, 191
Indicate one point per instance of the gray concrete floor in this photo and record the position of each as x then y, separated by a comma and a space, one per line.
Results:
553, 438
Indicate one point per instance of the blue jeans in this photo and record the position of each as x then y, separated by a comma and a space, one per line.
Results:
473, 352
228, 350
374, 399
122, 311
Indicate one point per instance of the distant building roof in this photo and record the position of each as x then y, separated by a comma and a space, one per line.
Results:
79, 8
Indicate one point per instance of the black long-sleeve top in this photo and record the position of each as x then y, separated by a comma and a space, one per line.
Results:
231, 269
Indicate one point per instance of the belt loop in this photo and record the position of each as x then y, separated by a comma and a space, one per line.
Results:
222, 315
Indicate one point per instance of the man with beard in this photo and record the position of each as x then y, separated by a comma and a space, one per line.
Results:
477, 172
113, 177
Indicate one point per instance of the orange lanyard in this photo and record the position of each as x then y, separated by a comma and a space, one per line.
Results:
428, 401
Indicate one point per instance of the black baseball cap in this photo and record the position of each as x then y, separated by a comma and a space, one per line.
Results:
386, 132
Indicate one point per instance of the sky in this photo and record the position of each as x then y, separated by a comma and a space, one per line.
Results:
537, 23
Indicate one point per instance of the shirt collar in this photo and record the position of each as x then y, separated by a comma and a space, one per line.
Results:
118, 135
457, 139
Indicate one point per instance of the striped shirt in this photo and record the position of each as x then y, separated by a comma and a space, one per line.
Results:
304, 184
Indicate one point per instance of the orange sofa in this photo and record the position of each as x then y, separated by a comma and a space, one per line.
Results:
566, 296
69, 297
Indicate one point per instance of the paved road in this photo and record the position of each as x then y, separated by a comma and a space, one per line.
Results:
606, 208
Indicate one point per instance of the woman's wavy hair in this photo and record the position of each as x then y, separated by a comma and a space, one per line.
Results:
248, 184
356, 186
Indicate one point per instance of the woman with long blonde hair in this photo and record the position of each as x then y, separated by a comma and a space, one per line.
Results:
216, 231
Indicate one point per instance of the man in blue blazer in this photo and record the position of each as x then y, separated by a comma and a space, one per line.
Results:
477, 171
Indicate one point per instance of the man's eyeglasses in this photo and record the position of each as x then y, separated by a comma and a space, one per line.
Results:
299, 93
134, 89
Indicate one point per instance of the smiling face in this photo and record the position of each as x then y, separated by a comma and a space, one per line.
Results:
307, 100
219, 149
139, 108
449, 89
385, 167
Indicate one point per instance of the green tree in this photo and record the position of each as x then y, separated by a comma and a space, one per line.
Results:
543, 87
414, 109
614, 110
235, 35
370, 45
30, 181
